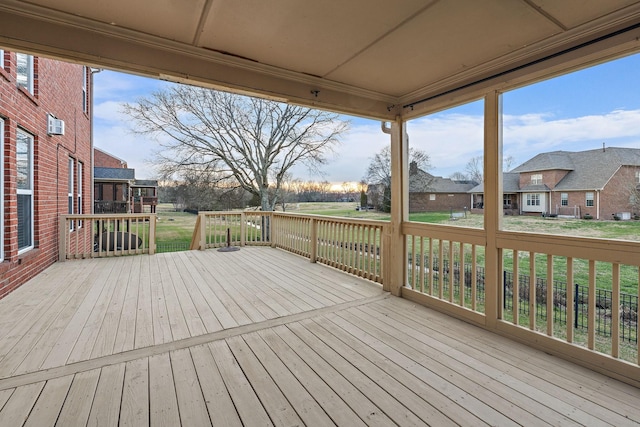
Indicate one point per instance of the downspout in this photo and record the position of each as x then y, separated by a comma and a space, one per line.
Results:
597, 203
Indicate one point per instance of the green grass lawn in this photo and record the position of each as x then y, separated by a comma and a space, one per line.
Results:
177, 227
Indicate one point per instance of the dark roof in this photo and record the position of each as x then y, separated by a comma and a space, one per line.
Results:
145, 183
510, 184
589, 170
423, 182
113, 174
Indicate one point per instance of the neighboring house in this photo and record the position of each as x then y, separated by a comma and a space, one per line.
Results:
429, 193
45, 164
116, 189
510, 196
600, 183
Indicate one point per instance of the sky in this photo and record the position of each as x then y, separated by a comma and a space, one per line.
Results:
575, 112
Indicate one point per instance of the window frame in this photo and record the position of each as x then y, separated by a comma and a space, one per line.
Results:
589, 197
27, 191
85, 101
564, 199
70, 190
536, 179
80, 170
533, 199
29, 87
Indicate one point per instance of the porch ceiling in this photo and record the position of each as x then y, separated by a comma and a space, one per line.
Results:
369, 57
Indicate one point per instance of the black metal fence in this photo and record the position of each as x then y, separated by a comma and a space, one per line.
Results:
172, 246
579, 305
628, 325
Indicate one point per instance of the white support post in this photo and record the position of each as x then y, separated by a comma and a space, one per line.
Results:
492, 203
399, 206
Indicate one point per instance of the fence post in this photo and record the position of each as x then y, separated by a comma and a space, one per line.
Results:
504, 289
203, 232
152, 234
575, 306
62, 238
313, 240
243, 229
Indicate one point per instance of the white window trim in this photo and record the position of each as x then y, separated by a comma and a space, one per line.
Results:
587, 199
536, 179
2, 64
533, 197
29, 87
564, 197
85, 77
70, 192
79, 191
29, 192
638, 177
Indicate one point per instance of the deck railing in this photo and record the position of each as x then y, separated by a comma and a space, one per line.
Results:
446, 265
596, 264
443, 261
445, 268
354, 246
96, 236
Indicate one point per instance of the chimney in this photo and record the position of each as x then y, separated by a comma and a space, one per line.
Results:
603, 149
413, 168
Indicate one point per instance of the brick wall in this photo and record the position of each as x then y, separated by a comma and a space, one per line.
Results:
58, 91
421, 202
102, 159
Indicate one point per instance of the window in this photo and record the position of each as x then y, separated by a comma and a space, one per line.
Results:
564, 199
1, 58
506, 200
589, 199
536, 179
432, 197
79, 191
24, 69
638, 177
70, 191
24, 169
85, 101
533, 199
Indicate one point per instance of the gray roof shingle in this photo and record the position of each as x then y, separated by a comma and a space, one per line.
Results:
113, 174
589, 170
423, 182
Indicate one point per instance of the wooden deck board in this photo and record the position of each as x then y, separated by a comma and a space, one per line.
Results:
172, 339
569, 379
557, 394
108, 397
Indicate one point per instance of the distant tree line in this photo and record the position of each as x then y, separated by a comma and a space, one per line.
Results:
200, 192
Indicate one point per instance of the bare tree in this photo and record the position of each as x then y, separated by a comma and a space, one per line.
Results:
458, 176
378, 175
254, 140
507, 163
475, 169
379, 169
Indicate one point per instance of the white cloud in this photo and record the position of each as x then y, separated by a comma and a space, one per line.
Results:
450, 138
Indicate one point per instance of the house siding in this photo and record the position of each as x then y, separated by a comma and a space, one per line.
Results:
103, 159
420, 202
57, 90
616, 194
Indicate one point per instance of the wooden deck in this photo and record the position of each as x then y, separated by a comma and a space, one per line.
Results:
263, 337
